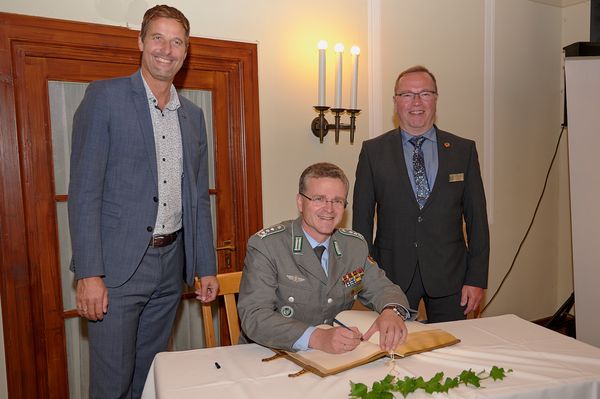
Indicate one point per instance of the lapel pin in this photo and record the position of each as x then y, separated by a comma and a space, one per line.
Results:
446, 145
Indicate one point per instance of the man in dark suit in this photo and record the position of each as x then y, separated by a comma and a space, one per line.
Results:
423, 182
139, 210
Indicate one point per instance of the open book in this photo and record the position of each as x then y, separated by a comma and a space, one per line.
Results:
421, 338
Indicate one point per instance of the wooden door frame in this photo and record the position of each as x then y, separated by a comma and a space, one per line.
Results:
34, 340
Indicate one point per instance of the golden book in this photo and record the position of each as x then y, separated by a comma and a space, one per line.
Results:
421, 338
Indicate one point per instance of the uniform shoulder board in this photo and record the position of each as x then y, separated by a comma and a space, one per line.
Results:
278, 228
352, 233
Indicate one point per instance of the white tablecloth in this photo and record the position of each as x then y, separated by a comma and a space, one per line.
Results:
546, 365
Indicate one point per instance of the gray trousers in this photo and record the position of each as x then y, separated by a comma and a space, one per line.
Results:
137, 326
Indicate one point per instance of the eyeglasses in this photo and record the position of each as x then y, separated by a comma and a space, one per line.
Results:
409, 96
320, 201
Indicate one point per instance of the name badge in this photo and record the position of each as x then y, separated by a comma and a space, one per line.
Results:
454, 177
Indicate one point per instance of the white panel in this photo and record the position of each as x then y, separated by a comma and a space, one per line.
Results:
583, 101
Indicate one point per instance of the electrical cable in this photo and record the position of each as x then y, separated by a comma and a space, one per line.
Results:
530, 224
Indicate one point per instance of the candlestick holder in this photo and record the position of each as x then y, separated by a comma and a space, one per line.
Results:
320, 126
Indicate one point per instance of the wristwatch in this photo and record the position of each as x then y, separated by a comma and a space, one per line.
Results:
399, 310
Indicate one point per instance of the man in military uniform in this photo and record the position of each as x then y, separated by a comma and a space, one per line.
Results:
301, 273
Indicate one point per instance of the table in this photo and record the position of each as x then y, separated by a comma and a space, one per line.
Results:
546, 365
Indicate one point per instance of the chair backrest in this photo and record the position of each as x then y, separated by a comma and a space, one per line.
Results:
229, 285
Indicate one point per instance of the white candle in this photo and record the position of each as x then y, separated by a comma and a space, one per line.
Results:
355, 51
339, 49
322, 46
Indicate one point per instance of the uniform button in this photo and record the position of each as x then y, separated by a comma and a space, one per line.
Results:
149, 228
416, 245
419, 219
155, 199
329, 300
291, 299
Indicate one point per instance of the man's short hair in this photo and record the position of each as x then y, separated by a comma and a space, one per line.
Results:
164, 11
322, 169
413, 69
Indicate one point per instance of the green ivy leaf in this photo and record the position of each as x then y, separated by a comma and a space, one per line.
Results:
449, 384
406, 386
469, 377
434, 384
498, 373
358, 390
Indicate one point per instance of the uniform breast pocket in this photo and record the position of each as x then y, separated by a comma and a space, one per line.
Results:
296, 292
296, 300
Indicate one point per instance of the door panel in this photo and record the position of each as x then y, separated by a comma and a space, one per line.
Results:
37, 56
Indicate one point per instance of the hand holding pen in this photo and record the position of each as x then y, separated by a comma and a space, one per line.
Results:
349, 346
335, 340
339, 323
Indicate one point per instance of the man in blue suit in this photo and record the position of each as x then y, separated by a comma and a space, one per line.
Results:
139, 210
423, 182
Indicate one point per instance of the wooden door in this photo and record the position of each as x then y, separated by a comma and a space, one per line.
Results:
36, 52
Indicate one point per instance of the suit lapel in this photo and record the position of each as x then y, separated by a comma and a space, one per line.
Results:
304, 255
444, 149
335, 268
140, 101
186, 142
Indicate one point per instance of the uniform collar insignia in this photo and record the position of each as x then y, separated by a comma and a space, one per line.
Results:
336, 247
297, 247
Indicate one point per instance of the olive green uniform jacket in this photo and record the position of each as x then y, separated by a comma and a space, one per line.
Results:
284, 288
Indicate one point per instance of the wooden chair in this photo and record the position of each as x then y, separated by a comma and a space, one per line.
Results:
229, 285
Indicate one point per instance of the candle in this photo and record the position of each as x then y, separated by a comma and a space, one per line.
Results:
355, 51
339, 49
322, 46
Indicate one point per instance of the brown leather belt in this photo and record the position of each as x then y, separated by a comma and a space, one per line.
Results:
162, 240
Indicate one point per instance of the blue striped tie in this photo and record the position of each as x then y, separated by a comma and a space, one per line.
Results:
421, 183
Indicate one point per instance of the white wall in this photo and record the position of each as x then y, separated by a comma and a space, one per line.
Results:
446, 36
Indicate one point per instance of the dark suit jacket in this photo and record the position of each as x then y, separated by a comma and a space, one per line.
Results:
113, 186
433, 236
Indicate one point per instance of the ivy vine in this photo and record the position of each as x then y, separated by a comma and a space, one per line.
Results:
383, 389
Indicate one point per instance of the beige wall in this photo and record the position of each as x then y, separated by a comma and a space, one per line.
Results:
448, 37
527, 123
575, 28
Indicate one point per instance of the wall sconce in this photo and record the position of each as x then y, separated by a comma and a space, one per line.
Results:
320, 126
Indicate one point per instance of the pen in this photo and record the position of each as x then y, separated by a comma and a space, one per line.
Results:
217, 365
344, 326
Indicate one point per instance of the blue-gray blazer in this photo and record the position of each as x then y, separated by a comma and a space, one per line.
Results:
113, 183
